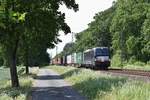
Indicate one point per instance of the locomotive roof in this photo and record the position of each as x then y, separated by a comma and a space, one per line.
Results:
100, 47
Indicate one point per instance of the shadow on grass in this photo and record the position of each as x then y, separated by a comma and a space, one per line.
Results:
93, 87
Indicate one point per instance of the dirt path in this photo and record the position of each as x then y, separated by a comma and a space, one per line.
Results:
50, 86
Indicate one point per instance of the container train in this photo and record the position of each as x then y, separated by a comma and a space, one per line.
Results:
96, 58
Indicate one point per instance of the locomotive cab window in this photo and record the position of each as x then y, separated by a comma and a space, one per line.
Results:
102, 52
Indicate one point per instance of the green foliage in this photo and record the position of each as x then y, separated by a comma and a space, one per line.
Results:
148, 63
68, 49
127, 31
21, 71
116, 60
1, 57
130, 91
98, 33
139, 63
146, 37
45, 24
132, 60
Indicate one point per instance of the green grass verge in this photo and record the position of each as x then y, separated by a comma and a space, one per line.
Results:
140, 67
131, 65
136, 67
97, 86
9, 93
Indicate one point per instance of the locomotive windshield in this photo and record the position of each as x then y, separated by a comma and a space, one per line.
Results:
102, 52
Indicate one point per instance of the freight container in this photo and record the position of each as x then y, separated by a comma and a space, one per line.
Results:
74, 59
79, 59
55, 61
59, 61
69, 60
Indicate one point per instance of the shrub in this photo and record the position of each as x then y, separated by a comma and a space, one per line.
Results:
138, 63
116, 61
21, 71
148, 63
132, 60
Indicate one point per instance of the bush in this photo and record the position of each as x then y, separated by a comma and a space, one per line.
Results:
132, 60
13, 93
116, 60
21, 71
148, 63
138, 63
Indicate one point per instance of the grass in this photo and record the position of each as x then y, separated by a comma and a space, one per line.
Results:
134, 66
9, 93
140, 67
115, 63
130, 91
97, 86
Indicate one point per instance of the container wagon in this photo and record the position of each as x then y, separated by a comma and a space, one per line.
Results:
74, 62
79, 59
69, 60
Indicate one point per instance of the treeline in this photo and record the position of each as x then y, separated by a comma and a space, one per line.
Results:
124, 28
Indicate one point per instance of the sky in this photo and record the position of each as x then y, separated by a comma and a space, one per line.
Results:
78, 21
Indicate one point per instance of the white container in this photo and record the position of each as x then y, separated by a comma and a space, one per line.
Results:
69, 59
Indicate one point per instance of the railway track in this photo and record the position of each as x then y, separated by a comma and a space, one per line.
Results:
131, 74
127, 72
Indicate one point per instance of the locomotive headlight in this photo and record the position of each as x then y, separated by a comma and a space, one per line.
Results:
101, 59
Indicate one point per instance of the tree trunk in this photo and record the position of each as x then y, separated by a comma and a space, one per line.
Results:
27, 69
27, 64
13, 71
26, 59
11, 54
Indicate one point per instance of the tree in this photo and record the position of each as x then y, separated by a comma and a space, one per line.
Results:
101, 27
68, 48
34, 19
126, 28
98, 32
146, 37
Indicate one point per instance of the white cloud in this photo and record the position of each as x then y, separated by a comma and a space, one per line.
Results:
79, 21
